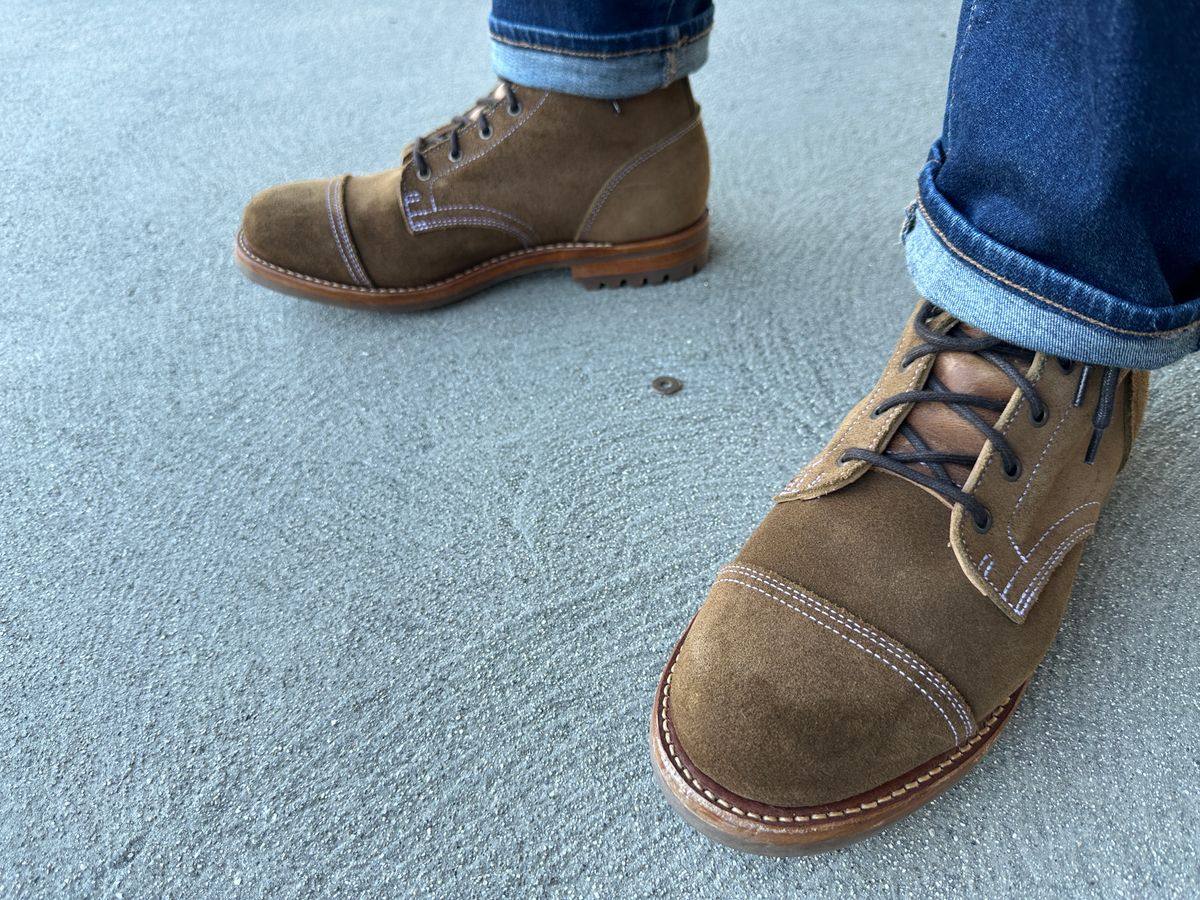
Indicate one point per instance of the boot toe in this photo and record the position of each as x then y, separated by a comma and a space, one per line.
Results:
782, 699
289, 226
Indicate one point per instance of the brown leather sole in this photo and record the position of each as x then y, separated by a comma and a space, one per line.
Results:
775, 831
670, 258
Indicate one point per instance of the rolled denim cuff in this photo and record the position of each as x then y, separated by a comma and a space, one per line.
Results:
1020, 300
606, 67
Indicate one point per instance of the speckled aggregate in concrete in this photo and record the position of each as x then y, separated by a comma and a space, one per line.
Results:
301, 602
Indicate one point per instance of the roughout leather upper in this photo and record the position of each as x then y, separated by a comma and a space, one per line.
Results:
831, 662
563, 169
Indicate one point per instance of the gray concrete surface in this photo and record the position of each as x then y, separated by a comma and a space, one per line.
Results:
300, 602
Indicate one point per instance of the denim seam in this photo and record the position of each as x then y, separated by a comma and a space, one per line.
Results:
646, 51
1024, 290
962, 51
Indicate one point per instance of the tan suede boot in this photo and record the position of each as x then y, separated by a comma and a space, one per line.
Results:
874, 635
616, 191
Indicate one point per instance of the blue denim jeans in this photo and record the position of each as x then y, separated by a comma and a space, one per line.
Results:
603, 48
1060, 209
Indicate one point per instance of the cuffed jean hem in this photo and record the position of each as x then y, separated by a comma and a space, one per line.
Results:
1020, 300
606, 67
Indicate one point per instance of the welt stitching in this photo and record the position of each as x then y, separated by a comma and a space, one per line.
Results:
492, 145
947, 763
457, 276
337, 237
339, 208
645, 155
522, 45
1024, 290
932, 678
932, 700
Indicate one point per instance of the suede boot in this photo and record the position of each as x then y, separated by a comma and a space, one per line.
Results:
615, 191
872, 638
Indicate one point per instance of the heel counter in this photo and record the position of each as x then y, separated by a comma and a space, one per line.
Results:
661, 190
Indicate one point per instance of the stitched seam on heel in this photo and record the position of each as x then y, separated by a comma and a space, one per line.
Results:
614, 182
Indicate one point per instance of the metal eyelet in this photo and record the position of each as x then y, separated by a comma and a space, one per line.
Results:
514, 109
424, 175
486, 133
455, 156
1014, 473
986, 525
1037, 421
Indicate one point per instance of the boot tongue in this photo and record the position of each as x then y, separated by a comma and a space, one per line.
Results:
938, 424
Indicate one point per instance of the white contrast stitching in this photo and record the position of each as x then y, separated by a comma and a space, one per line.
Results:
488, 223
948, 763
1047, 569
492, 145
933, 700
337, 235
934, 679
486, 264
644, 156
467, 207
339, 196
795, 487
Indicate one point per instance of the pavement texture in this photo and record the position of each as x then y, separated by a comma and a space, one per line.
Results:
297, 601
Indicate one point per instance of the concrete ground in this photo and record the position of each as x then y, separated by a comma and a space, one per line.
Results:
297, 601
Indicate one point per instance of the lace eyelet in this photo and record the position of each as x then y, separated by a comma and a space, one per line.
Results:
877, 412
1014, 473
424, 174
1039, 421
455, 156
486, 133
1066, 365
514, 109
986, 525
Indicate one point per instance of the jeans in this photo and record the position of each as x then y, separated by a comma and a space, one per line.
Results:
1060, 208
599, 48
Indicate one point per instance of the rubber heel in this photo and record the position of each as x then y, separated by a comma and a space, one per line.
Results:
671, 258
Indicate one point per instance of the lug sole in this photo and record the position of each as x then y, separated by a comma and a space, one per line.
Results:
752, 827
635, 264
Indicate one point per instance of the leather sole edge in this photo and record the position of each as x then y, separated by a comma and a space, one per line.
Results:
799, 832
672, 257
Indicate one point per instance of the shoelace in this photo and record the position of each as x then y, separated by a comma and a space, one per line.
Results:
1001, 355
458, 123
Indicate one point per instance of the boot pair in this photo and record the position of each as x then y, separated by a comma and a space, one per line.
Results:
872, 638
